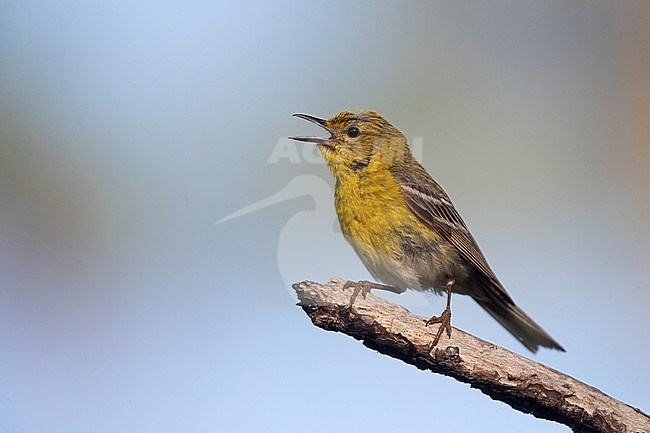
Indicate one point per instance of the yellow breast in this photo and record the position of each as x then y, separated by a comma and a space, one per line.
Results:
371, 209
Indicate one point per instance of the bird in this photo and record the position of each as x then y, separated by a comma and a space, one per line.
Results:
404, 227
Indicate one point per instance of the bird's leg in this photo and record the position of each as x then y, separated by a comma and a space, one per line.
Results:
444, 319
364, 287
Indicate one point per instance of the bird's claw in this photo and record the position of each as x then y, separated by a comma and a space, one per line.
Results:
360, 287
445, 325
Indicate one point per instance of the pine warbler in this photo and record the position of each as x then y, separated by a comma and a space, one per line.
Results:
405, 228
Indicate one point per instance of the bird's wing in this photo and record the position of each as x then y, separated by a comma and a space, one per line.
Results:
429, 202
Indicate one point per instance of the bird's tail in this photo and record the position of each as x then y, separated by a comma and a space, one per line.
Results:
524, 329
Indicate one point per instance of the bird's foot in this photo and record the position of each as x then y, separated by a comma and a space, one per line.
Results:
363, 287
445, 325
359, 287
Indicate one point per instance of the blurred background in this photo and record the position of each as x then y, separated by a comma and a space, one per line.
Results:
129, 129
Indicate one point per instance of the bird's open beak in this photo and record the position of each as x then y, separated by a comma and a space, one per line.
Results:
325, 141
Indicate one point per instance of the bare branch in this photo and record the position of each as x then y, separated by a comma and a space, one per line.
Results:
523, 384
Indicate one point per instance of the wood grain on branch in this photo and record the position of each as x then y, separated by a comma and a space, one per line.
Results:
523, 384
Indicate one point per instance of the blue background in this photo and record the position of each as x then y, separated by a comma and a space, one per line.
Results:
127, 129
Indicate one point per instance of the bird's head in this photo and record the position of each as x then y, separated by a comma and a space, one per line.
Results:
358, 140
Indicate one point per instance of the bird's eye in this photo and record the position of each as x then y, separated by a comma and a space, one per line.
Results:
353, 131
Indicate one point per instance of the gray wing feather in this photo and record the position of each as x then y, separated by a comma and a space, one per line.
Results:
432, 206
429, 202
